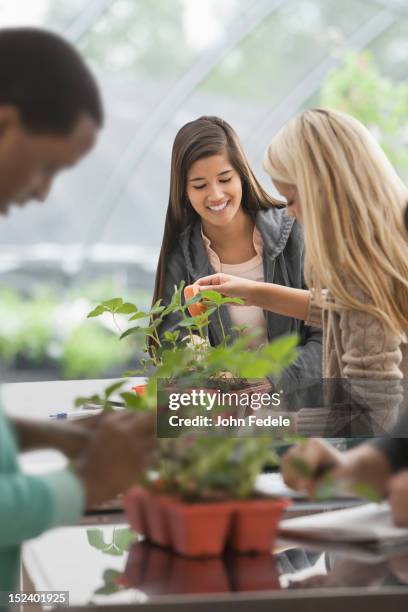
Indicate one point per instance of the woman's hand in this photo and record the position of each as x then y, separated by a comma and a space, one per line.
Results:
229, 286
304, 465
285, 301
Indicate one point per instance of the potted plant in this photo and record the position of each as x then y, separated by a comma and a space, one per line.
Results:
201, 499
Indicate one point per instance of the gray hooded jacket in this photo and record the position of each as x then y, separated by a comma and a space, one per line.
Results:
283, 249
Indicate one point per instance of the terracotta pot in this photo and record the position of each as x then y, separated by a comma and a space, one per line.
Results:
199, 530
156, 513
204, 529
133, 504
255, 524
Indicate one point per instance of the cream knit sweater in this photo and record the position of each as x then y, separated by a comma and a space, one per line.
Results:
357, 347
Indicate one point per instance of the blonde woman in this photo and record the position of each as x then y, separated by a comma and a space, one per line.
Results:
340, 185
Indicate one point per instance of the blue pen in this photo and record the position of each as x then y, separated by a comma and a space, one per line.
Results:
59, 415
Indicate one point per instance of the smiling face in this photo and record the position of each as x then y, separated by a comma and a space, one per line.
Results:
214, 190
30, 161
289, 192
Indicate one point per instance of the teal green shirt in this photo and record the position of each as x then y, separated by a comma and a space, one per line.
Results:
29, 505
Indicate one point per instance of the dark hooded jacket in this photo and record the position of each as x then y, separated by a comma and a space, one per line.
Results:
283, 251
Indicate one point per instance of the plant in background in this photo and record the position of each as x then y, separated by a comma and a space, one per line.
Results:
359, 88
43, 330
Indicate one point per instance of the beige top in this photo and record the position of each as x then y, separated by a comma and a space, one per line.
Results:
250, 316
357, 346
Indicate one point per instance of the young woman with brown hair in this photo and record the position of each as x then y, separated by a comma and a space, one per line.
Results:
220, 219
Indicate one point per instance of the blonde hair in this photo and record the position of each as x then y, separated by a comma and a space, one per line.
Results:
353, 205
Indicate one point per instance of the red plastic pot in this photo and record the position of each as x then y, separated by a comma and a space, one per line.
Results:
199, 530
156, 513
133, 504
204, 529
255, 524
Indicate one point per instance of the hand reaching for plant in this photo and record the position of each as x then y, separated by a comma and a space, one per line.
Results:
303, 466
286, 301
229, 286
364, 470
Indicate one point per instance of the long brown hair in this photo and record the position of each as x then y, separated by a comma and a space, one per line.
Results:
196, 140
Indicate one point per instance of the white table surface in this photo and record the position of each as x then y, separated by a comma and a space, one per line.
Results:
37, 400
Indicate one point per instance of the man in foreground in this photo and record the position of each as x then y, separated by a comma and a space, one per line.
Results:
50, 116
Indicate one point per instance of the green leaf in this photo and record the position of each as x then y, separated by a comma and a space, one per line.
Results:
257, 368
123, 538
91, 399
134, 400
112, 388
127, 308
171, 336
281, 348
139, 315
240, 329
95, 539
113, 304
96, 312
197, 321
133, 330
212, 296
113, 550
157, 310
110, 576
